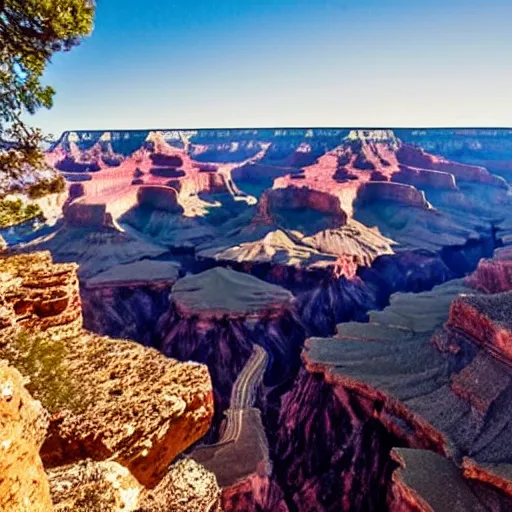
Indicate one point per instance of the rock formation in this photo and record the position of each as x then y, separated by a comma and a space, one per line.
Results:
422, 413
90, 486
107, 399
127, 301
280, 234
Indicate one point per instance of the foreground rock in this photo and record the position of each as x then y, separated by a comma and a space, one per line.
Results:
23, 422
91, 486
108, 399
131, 422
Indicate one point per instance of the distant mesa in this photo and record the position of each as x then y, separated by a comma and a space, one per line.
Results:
301, 208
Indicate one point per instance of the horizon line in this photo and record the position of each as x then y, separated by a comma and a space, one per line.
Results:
490, 127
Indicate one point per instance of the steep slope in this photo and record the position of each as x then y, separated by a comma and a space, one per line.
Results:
403, 380
107, 399
218, 316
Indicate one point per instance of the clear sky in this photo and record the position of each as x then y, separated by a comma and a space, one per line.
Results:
256, 63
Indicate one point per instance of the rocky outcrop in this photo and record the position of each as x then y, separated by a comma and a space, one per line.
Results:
37, 295
276, 205
113, 378
497, 476
448, 399
187, 487
427, 482
415, 157
493, 275
23, 422
91, 486
422, 178
127, 301
396, 192
108, 399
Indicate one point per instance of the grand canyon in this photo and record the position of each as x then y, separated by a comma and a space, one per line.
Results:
260, 320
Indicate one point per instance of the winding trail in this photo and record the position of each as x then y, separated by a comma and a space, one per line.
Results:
243, 448
243, 394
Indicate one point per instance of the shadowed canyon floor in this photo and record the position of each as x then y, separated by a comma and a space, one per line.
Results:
348, 291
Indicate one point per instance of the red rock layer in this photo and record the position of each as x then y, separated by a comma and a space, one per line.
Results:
488, 474
477, 320
365, 158
416, 157
253, 494
38, 294
299, 198
495, 275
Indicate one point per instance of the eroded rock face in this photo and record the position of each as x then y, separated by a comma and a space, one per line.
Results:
275, 204
23, 423
108, 399
427, 411
143, 434
127, 301
486, 320
90, 486
38, 295
494, 275
187, 487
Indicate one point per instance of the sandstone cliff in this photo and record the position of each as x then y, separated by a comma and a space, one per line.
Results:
107, 399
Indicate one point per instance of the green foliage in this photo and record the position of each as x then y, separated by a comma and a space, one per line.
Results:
31, 31
43, 360
45, 187
13, 212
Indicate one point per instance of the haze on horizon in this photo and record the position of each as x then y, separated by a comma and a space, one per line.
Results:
264, 63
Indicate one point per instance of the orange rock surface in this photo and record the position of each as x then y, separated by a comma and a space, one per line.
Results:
23, 422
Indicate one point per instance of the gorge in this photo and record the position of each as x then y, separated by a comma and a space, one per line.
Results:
293, 320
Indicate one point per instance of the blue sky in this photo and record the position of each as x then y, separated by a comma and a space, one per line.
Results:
234, 63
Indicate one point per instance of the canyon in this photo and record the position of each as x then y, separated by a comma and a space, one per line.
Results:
265, 320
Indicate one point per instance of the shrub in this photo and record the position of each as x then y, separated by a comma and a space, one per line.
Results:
13, 212
42, 359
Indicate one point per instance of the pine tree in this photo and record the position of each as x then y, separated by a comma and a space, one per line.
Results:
31, 31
